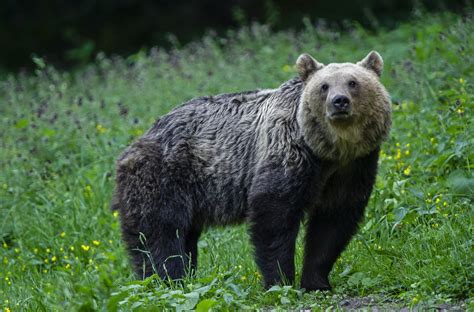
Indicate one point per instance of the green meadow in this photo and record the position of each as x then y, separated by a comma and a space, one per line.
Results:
61, 131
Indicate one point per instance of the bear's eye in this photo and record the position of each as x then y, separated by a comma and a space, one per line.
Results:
352, 84
324, 87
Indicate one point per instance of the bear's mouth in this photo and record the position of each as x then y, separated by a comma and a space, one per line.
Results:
340, 116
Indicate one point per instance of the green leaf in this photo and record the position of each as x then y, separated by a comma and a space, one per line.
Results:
347, 271
49, 132
22, 123
285, 300
114, 300
355, 278
460, 183
400, 213
39, 62
191, 299
274, 288
205, 305
228, 298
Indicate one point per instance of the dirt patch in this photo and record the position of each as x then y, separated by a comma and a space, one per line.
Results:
376, 305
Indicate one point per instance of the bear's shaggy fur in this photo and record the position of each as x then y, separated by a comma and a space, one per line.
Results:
267, 156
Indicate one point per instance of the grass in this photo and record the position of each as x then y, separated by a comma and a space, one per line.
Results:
61, 132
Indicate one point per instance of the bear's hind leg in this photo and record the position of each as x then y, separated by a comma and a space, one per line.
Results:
192, 249
157, 244
155, 213
166, 247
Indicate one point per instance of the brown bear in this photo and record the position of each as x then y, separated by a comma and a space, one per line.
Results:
269, 157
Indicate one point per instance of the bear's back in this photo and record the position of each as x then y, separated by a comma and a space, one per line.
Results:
212, 124
217, 143
212, 142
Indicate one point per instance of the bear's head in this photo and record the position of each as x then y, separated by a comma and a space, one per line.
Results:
345, 110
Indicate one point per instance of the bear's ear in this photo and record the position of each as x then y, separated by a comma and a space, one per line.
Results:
307, 65
374, 62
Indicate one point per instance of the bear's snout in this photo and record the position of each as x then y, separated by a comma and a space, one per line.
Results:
339, 108
341, 103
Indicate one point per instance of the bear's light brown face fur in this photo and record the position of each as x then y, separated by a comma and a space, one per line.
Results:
344, 111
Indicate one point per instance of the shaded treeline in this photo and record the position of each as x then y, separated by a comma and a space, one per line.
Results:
71, 32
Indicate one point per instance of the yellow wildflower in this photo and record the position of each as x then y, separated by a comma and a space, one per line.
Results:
67, 266
287, 68
5, 245
53, 259
462, 81
62, 234
87, 191
398, 155
48, 250
35, 250
71, 248
85, 247
100, 128
415, 299
115, 214
137, 132
407, 170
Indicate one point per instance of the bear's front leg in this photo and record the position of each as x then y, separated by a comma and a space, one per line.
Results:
326, 238
332, 224
274, 227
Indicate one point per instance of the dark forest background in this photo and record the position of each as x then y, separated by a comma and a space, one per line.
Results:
70, 33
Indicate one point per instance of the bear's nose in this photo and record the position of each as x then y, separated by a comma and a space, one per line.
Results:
341, 102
